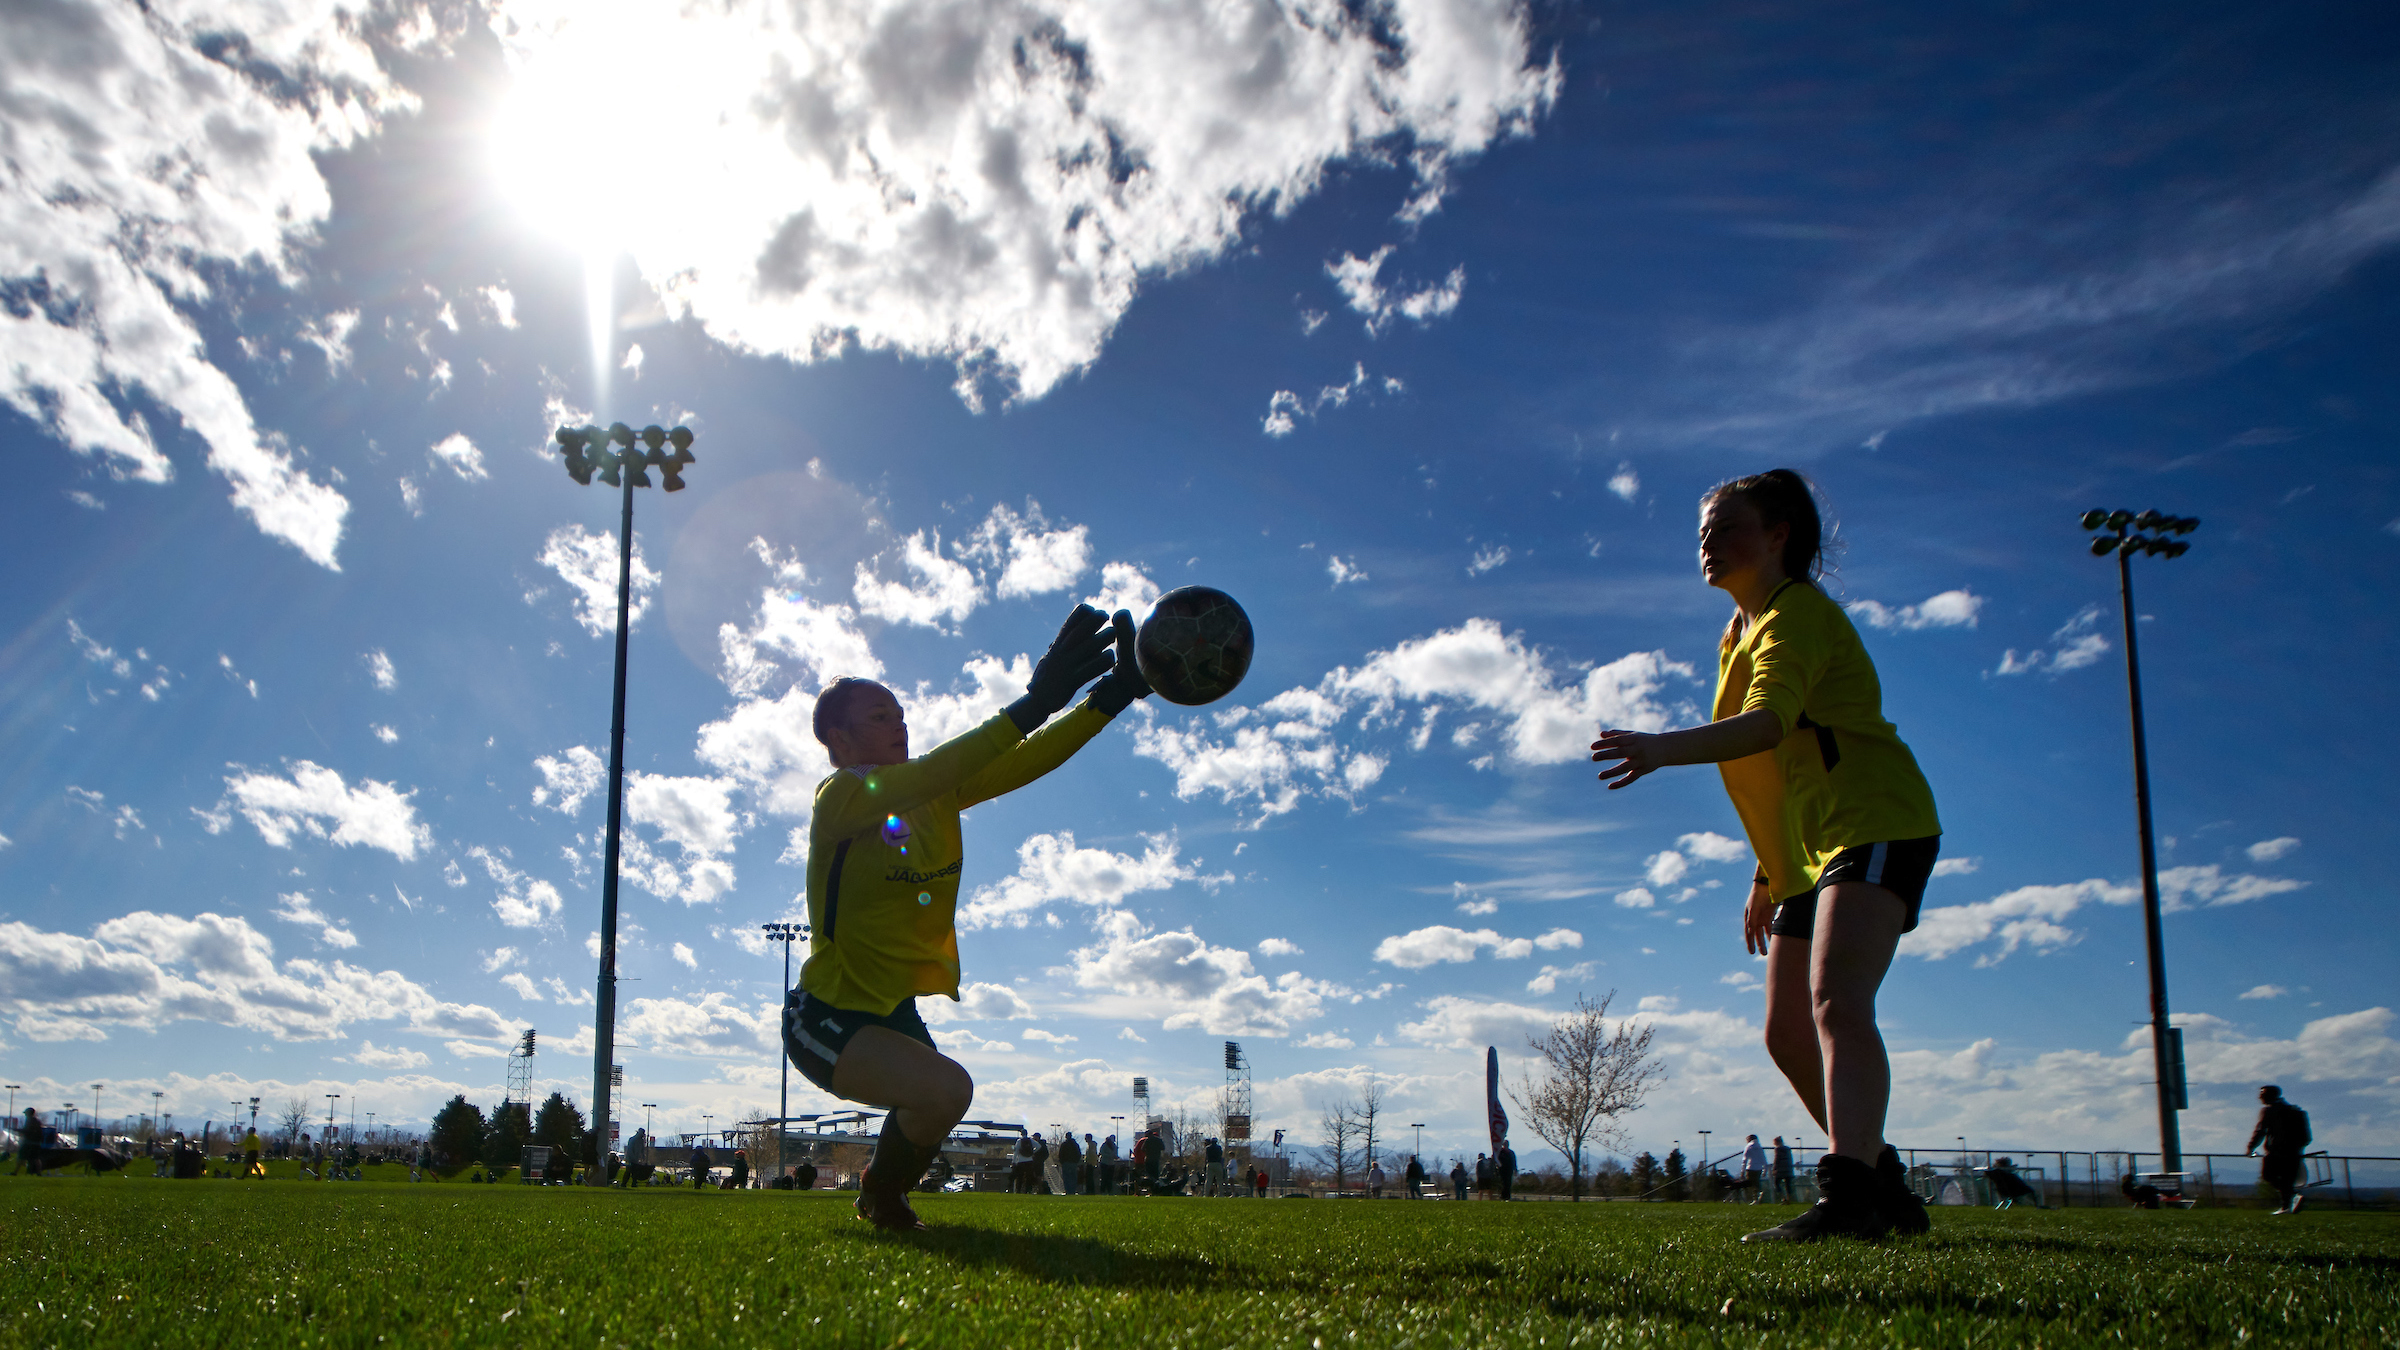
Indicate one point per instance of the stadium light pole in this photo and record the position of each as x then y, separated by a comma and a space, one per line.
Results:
2124, 534
784, 933
13, 1090
254, 1115
610, 453
330, 1099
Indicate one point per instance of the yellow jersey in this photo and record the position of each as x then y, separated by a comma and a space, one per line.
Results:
1841, 775
884, 853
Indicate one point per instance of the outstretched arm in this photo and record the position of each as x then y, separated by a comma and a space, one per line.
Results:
1638, 753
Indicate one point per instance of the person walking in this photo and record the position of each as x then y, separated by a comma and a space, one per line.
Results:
1414, 1177
1108, 1165
1784, 1194
2283, 1128
1070, 1164
1091, 1165
251, 1167
1483, 1177
1020, 1166
1504, 1169
2010, 1187
1152, 1156
1374, 1179
1840, 820
1258, 1182
741, 1169
1214, 1156
1041, 1165
700, 1167
1458, 1177
1754, 1170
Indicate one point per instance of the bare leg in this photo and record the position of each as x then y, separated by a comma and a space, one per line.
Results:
924, 1089
1858, 927
1792, 1023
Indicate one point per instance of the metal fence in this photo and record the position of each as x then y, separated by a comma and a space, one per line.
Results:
2093, 1180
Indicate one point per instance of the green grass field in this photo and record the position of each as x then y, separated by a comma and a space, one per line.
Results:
137, 1262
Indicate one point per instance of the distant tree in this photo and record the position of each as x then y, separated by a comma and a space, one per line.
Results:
559, 1125
457, 1134
1676, 1176
1367, 1112
505, 1136
1337, 1143
1645, 1177
1592, 1074
292, 1115
1609, 1177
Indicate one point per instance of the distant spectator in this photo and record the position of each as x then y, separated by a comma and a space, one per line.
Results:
1154, 1150
1783, 1173
1214, 1156
1258, 1181
1458, 1178
2283, 1128
1374, 1179
804, 1177
1091, 1165
1754, 1169
251, 1167
1504, 1169
1041, 1165
1070, 1164
29, 1145
1020, 1169
1108, 1165
700, 1166
1415, 1174
1483, 1177
2009, 1186
741, 1169
2140, 1195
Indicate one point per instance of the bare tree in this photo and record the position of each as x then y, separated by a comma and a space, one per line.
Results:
293, 1114
1337, 1146
1367, 1112
1591, 1075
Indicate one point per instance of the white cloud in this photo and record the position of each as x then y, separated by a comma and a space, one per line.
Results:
383, 733
504, 956
1625, 483
144, 167
685, 956
2033, 916
1048, 1037
460, 454
713, 1025
2265, 991
522, 984
1185, 982
1950, 609
945, 590
1033, 558
102, 656
1276, 946
394, 1059
1488, 558
1709, 846
2077, 644
502, 303
1360, 282
633, 360
980, 1002
1665, 869
1426, 946
2268, 850
1343, 571
1956, 867
1052, 870
988, 185
298, 908
697, 817
471, 1050
1125, 586
521, 901
374, 814
1129, 1034
1326, 1040
823, 641
1284, 748
568, 778
1284, 407
1551, 977
1464, 1023
331, 336
145, 970
587, 561
1640, 897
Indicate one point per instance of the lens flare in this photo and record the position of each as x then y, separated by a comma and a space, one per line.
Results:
924, 897
895, 832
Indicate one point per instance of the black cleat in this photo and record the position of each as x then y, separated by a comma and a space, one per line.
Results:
1848, 1208
889, 1210
1904, 1207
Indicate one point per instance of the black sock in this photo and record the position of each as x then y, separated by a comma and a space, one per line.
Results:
899, 1162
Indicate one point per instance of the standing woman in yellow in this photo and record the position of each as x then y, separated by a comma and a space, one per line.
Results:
884, 855
1839, 817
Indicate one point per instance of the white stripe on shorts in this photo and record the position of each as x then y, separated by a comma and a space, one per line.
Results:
1876, 857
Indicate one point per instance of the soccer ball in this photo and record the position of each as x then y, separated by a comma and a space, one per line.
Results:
1195, 646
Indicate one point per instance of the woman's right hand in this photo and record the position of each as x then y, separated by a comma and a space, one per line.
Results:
1757, 913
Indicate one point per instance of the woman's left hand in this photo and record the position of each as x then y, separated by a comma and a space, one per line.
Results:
1637, 754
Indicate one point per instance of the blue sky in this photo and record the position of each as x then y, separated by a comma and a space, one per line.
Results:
1421, 337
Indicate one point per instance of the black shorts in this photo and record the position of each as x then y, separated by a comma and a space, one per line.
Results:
815, 1032
1901, 866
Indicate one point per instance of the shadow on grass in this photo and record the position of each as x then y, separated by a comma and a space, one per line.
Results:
1061, 1259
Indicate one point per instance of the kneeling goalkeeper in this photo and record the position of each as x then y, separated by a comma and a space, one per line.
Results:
884, 855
